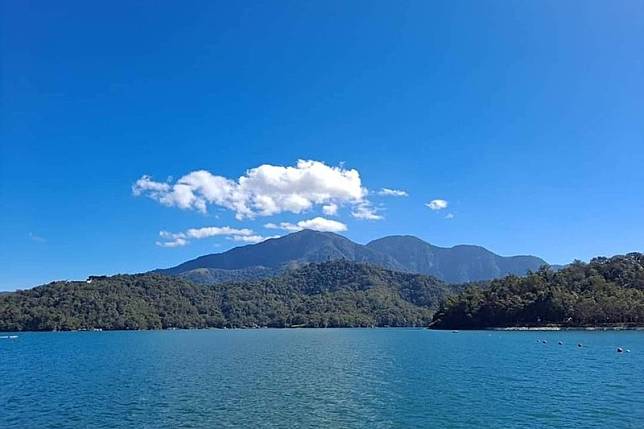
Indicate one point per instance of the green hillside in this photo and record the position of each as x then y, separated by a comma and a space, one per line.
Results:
331, 294
604, 292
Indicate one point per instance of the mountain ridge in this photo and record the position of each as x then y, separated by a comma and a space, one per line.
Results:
405, 253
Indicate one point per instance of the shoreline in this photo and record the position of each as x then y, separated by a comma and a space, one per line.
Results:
545, 328
569, 328
506, 328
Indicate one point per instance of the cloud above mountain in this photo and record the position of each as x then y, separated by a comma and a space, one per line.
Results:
253, 239
365, 211
316, 224
179, 239
265, 191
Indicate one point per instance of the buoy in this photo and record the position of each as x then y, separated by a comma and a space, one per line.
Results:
628, 350
620, 350
560, 342
578, 344
544, 341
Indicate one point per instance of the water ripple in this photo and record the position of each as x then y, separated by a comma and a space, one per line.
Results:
334, 378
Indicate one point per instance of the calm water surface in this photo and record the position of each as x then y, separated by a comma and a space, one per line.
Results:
322, 378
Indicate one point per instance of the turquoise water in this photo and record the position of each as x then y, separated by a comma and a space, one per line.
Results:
322, 378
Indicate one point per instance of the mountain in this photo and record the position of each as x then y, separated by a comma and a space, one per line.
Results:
604, 292
330, 294
274, 255
458, 264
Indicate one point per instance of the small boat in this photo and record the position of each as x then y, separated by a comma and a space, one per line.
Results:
620, 350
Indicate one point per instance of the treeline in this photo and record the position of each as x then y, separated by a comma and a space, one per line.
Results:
606, 291
333, 294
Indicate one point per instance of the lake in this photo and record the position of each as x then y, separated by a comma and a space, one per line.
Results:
322, 378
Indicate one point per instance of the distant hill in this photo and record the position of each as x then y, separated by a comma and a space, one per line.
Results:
604, 292
330, 294
458, 264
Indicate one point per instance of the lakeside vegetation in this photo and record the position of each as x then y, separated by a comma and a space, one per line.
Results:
332, 294
604, 292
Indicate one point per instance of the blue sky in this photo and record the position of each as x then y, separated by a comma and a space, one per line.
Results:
526, 117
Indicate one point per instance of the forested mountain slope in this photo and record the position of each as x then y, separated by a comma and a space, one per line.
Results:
606, 291
333, 294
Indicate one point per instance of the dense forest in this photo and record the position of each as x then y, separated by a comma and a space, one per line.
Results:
331, 294
606, 291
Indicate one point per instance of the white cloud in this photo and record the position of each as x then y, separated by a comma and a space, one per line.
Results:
365, 211
449, 216
322, 224
175, 242
253, 239
212, 231
263, 191
286, 226
146, 184
330, 209
178, 239
316, 224
437, 204
166, 235
386, 192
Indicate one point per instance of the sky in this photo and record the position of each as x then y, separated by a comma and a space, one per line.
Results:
138, 135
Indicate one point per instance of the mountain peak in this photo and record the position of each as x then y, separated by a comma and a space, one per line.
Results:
311, 233
398, 239
292, 249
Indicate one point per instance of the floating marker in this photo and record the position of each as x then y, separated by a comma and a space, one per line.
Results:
560, 343
620, 350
